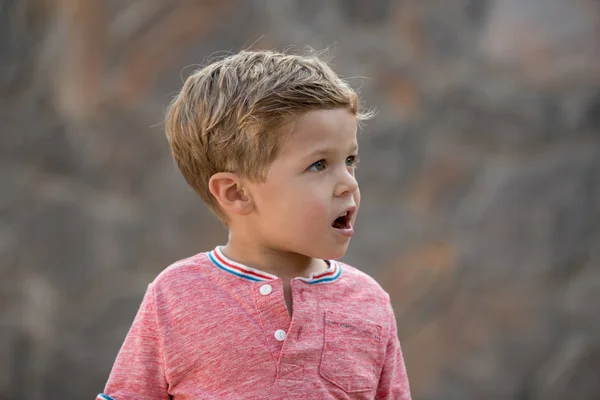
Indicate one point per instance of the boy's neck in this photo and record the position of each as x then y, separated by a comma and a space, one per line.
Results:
285, 265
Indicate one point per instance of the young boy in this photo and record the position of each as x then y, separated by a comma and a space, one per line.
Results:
268, 141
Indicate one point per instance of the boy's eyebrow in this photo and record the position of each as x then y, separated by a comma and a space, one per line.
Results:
327, 150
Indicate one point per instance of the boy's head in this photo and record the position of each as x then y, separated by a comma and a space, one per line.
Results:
234, 116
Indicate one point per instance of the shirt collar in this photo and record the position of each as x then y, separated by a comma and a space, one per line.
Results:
252, 274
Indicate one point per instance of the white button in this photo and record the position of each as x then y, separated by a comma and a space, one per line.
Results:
280, 335
265, 289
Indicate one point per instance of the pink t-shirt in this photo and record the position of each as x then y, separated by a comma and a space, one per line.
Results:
211, 328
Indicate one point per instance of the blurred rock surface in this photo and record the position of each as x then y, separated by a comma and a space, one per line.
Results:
480, 179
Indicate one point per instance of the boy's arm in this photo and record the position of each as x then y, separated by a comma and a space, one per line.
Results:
139, 371
393, 383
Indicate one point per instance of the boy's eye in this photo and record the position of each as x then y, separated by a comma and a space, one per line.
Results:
351, 161
317, 166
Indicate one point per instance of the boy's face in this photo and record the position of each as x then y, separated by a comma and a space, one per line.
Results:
309, 186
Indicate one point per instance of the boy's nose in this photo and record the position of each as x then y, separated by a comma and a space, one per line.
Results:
347, 184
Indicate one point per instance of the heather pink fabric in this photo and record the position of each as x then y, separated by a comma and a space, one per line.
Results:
206, 329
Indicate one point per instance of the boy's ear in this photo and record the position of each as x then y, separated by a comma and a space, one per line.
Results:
227, 188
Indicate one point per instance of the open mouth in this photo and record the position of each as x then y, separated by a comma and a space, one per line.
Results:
344, 221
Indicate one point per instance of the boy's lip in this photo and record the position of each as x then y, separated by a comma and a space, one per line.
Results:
345, 231
351, 215
350, 211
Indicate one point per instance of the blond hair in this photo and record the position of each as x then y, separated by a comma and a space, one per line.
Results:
228, 115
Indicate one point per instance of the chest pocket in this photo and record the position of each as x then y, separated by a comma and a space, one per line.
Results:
353, 352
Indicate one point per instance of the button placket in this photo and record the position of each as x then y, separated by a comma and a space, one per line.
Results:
273, 312
290, 370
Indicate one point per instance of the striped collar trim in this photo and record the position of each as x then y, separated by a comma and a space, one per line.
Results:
331, 274
220, 260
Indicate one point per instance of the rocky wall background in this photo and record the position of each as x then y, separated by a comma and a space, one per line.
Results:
480, 179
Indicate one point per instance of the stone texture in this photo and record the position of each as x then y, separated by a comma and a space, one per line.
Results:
480, 178
549, 39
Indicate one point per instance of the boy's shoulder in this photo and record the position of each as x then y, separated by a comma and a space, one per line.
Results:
359, 280
188, 271
358, 274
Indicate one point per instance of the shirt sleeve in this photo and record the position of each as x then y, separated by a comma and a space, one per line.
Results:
393, 383
139, 371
